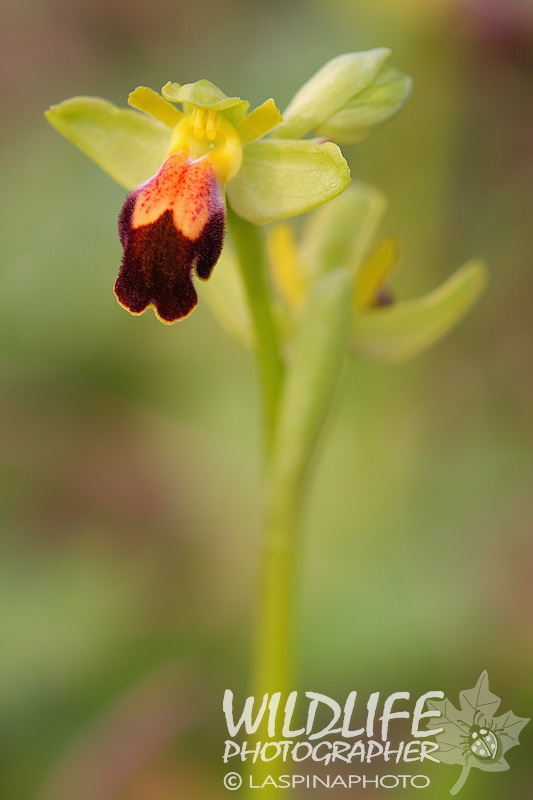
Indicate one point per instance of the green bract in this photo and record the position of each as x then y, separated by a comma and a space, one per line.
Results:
315, 368
368, 111
399, 331
343, 231
348, 99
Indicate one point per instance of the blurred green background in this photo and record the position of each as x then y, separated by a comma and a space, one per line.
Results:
130, 492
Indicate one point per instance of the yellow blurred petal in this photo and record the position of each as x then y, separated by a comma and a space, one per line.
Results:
373, 274
286, 271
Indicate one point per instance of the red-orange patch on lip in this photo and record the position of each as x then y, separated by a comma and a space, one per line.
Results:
169, 226
158, 195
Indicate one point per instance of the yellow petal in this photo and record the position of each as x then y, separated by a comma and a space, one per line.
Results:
152, 103
259, 122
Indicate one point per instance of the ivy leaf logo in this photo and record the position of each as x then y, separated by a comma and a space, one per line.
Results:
473, 735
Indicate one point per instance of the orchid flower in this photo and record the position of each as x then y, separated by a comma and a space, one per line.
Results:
181, 162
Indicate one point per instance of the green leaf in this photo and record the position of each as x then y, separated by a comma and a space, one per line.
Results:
283, 178
342, 231
129, 146
313, 374
394, 333
334, 85
368, 111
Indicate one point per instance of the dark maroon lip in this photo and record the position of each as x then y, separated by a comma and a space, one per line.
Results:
159, 261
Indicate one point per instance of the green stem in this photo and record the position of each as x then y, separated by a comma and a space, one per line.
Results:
274, 640
249, 245
310, 385
461, 780
272, 667
275, 633
274, 644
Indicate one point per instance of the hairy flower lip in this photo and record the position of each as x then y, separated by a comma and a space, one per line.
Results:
170, 227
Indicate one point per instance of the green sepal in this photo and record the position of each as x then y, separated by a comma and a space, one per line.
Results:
368, 111
329, 90
200, 94
342, 231
152, 103
397, 332
312, 379
129, 146
259, 122
282, 178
